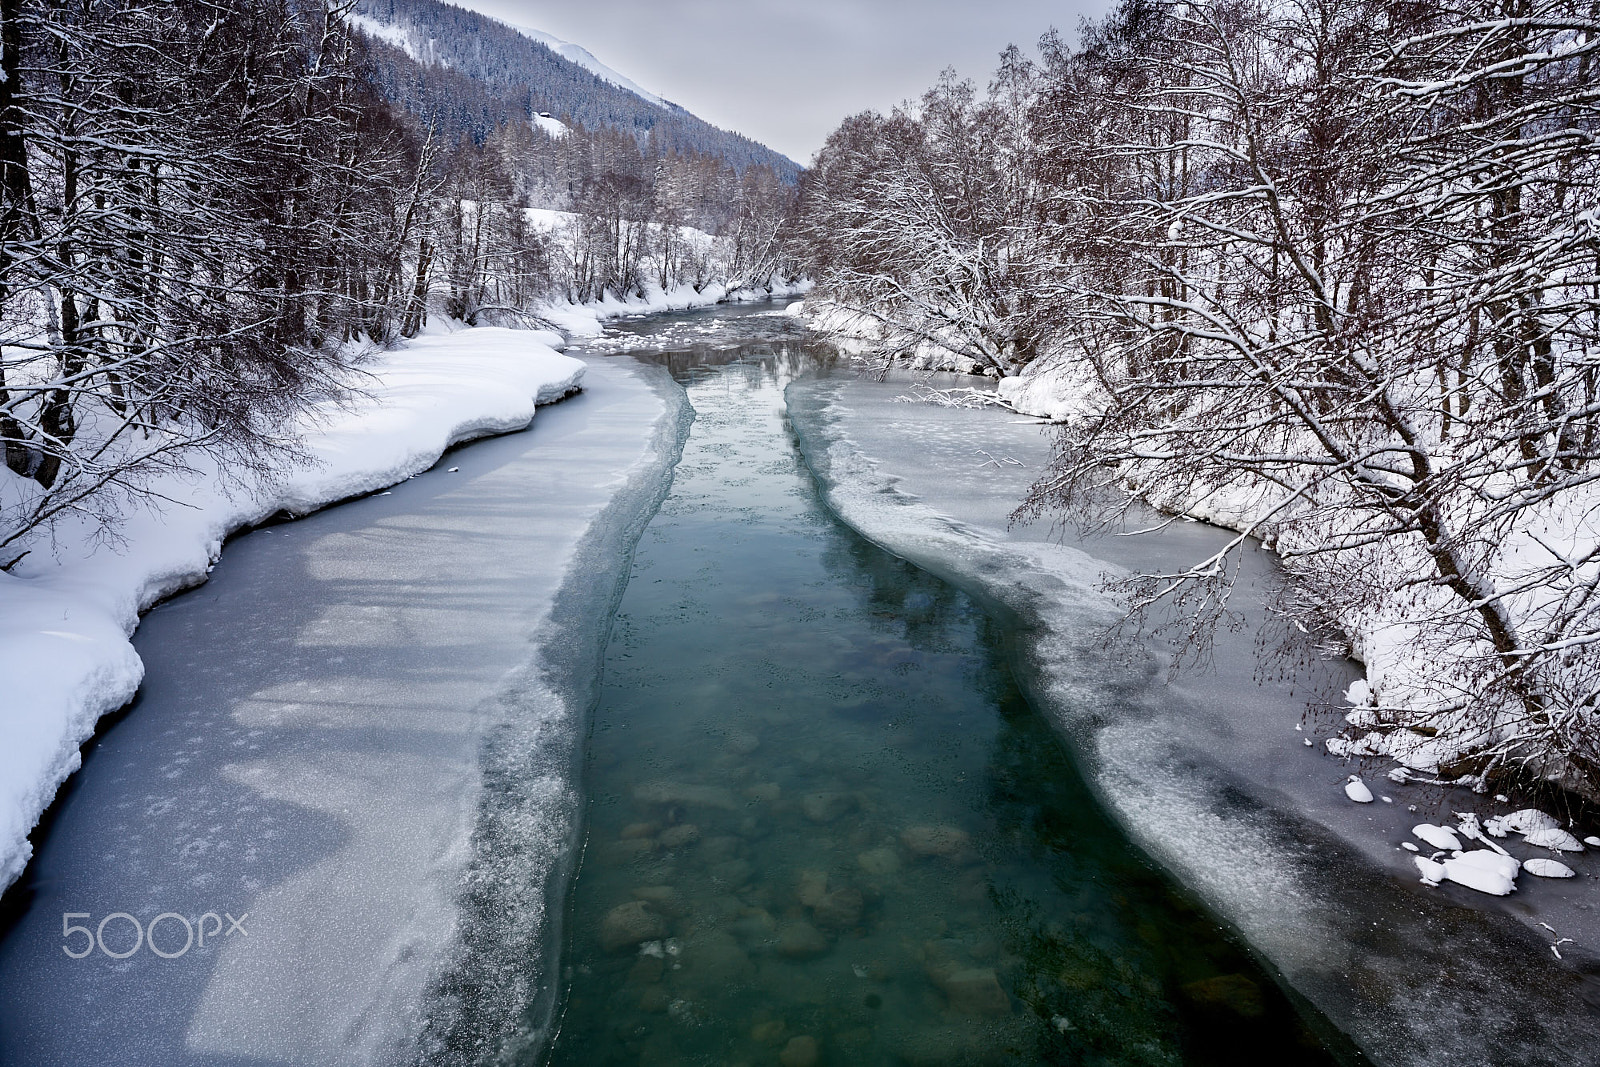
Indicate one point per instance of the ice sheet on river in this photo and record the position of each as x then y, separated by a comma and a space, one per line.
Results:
359, 734
1208, 773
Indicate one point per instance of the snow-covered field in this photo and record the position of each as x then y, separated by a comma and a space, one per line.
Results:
66, 615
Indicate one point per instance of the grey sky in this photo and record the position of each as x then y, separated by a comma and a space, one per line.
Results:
786, 73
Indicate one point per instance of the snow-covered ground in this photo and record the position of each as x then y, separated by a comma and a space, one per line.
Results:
1215, 773
67, 611
585, 320
1420, 703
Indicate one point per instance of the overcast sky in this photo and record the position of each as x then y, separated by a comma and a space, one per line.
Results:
786, 73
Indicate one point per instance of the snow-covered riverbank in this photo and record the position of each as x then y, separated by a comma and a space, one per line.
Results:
587, 320
1214, 773
68, 610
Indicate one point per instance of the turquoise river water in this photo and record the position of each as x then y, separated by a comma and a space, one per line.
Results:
826, 827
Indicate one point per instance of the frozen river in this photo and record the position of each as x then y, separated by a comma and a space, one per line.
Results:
856, 775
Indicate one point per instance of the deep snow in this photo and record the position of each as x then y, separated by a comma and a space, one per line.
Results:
66, 615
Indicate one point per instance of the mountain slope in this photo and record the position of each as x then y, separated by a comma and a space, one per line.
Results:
468, 73
584, 58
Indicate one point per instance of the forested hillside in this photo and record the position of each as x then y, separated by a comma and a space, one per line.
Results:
1325, 272
208, 208
469, 74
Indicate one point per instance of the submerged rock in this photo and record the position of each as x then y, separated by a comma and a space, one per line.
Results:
880, 862
678, 836
714, 958
824, 806
690, 796
654, 999
812, 888
628, 849
663, 898
801, 1051
732, 873
626, 925
768, 1033
947, 842
646, 970
742, 742
798, 939
839, 909
764, 792
976, 991
1235, 992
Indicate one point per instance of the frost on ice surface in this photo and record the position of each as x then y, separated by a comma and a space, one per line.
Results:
1554, 838
1357, 790
1546, 868
1437, 836
1526, 821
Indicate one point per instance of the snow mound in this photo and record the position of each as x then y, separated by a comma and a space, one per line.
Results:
1357, 790
1483, 870
553, 126
1544, 868
1526, 821
1554, 838
1438, 836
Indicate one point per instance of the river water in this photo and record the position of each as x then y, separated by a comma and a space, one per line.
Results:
824, 823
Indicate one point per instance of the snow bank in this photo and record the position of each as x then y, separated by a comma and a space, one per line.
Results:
66, 617
584, 320
1196, 769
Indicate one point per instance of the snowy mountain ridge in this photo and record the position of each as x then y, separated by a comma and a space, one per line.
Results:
464, 73
584, 58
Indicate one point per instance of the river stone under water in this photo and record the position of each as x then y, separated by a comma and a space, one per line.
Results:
825, 825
